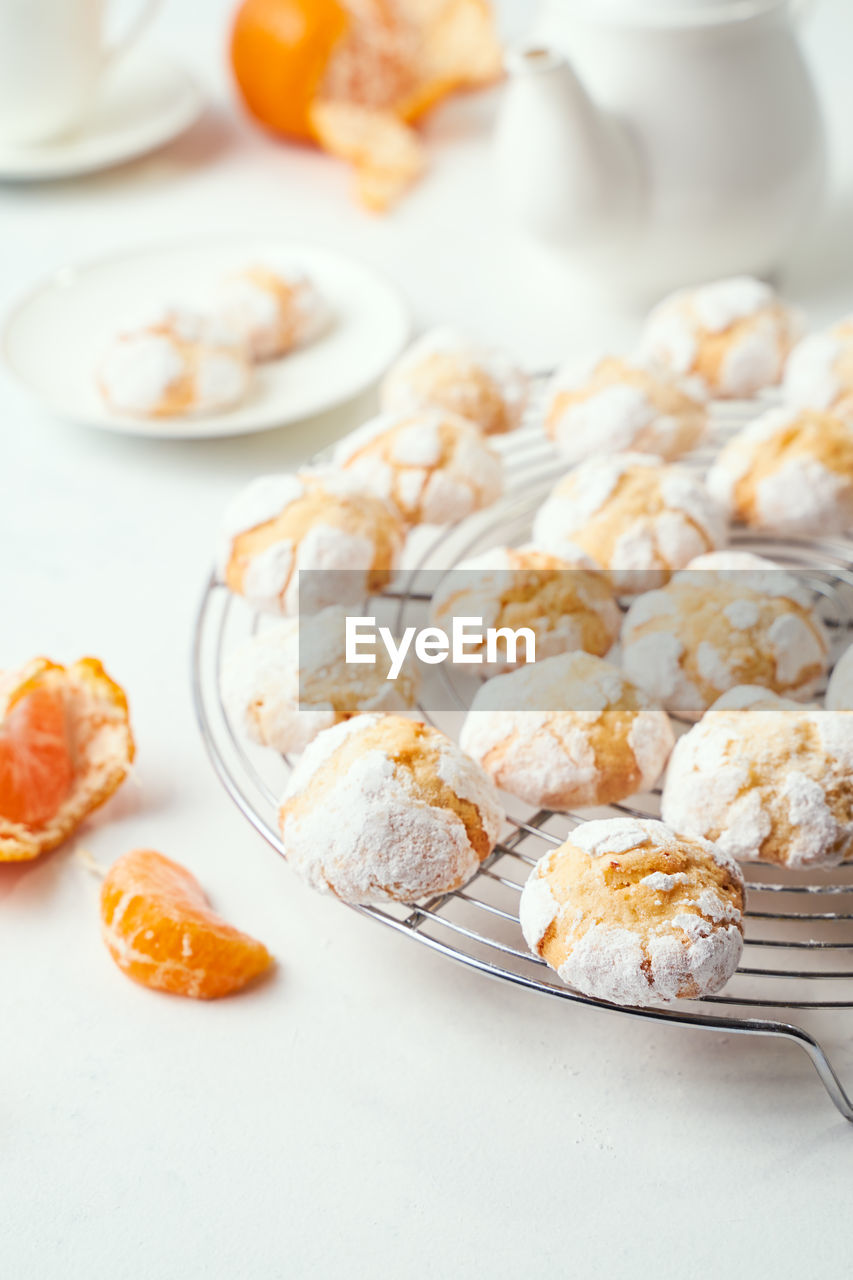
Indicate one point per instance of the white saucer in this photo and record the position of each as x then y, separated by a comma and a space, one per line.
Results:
145, 102
55, 337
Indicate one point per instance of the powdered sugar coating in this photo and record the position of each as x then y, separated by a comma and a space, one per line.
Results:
732, 560
406, 388
839, 691
567, 731
819, 372
605, 911
767, 785
159, 372
272, 309
282, 702
729, 338
434, 466
633, 515
363, 827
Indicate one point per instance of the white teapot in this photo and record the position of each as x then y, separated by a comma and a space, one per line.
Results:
674, 141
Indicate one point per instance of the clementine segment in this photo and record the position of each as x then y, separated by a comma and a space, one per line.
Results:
36, 769
161, 931
280, 50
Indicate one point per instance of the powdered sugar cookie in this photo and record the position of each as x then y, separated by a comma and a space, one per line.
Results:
174, 367
629, 512
272, 310
566, 606
434, 466
288, 683
839, 691
819, 372
628, 911
566, 731
445, 370
610, 405
767, 783
706, 632
730, 560
385, 809
790, 471
728, 339
314, 520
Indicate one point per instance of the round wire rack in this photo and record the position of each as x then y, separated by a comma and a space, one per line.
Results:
797, 968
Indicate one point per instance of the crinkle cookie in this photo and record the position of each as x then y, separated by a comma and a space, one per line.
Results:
288, 683
730, 560
385, 809
567, 606
567, 731
272, 310
819, 372
790, 471
705, 632
629, 911
314, 520
434, 466
178, 366
767, 783
631, 513
728, 339
839, 691
611, 405
446, 370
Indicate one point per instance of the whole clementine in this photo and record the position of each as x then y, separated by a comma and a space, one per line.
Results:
280, 50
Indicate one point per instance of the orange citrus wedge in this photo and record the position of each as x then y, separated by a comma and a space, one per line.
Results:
161, 931
36, 770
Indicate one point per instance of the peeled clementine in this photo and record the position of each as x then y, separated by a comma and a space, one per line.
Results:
36, 770
161, 931
280, 50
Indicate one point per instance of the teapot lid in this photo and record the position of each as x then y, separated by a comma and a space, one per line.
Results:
677, 12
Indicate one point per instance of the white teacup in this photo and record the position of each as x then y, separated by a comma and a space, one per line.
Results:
52, 56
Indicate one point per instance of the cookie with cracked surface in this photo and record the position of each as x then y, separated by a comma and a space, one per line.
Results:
288, 683
819, 372
384, 809
790, 471
611, 405
447, 370
633, 515
767, 782
272, 310
631, 912
434, 466
567, 605
729, 339
705, 633
839, 691
317, 519
567, 731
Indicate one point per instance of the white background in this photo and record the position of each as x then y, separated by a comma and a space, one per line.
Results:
373, 1109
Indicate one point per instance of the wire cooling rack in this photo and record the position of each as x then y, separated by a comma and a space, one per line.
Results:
797, 967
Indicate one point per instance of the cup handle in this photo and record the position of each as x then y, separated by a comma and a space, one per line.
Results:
120, 47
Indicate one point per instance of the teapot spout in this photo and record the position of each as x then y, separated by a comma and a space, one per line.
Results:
563, 164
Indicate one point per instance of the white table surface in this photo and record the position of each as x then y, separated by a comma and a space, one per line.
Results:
373, 1109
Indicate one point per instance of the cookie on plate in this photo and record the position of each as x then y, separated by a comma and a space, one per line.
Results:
629, 512
434, 466
566, 605
705, 633
790, 471
384, 809
446, 370
629, 911
272, 310
819, 372
610, 405
316, 519
729, 339
567, 731
767, 782
178, 366
288, 683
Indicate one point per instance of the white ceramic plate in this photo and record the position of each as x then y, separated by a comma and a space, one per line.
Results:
55, 337
145, 101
